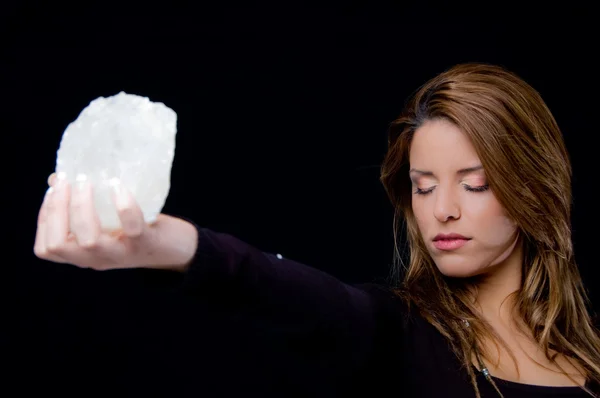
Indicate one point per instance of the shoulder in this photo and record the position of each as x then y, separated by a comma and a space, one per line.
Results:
401, 336
391, 306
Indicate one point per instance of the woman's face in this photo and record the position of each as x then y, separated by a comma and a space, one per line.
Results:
464, 227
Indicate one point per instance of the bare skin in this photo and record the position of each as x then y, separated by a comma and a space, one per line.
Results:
169, 243
533, 366
448, 199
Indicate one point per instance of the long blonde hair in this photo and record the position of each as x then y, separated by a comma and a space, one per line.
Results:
528, 168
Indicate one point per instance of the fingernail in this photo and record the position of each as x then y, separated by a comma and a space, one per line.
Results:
81, 182
122, 199
61, 180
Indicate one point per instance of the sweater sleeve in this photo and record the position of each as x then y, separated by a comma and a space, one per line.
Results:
282, 295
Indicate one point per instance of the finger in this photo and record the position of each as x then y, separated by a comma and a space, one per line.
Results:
130, 214
52, 179
84, 221
103, 256
40, 233
39, 247
57, 218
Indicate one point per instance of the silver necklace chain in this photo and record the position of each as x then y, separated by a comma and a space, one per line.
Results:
482, 368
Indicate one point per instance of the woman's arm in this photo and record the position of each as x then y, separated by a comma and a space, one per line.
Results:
282, 295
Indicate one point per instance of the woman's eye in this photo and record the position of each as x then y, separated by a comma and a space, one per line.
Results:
481, 188
469, 188
420, 191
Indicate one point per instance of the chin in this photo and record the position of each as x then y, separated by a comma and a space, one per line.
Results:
457, 270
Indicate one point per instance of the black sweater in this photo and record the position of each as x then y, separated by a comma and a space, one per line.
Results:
241, 322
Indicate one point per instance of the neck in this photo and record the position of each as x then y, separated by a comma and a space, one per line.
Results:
495, 298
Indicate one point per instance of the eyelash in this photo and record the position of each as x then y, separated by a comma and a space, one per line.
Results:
468, 188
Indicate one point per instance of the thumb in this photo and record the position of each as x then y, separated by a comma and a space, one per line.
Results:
51, 179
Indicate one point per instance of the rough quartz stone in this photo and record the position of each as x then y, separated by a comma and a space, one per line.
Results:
124, 138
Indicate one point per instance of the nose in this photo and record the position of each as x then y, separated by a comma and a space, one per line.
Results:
446, 206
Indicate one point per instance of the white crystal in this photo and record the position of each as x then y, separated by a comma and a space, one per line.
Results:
125, 137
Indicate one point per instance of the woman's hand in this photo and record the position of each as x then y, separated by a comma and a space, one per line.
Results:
169, 243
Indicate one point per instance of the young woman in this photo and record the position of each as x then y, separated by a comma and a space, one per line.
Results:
492, 303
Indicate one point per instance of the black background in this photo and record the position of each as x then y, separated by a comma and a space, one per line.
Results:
282, 117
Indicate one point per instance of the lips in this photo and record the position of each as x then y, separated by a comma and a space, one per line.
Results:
449, 236
450, 241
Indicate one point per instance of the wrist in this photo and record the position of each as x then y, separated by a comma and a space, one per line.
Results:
179, 244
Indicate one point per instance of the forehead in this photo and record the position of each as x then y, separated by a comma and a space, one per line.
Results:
441, 143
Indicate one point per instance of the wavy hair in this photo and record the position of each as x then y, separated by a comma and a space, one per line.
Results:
519, 144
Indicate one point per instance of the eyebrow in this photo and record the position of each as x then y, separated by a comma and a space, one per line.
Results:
459, 172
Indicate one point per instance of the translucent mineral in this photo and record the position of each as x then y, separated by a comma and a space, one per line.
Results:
125, 138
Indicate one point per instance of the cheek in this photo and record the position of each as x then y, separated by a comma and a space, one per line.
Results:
502, 231
418, 210
493, 225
